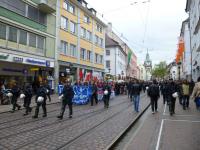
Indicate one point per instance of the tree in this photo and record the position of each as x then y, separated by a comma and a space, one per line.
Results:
160, 70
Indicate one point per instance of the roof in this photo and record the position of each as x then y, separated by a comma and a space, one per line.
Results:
110, 42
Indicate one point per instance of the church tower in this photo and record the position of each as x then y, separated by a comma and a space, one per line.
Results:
148, 66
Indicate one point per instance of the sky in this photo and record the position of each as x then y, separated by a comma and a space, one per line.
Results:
153, 25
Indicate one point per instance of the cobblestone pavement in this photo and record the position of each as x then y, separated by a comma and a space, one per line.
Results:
90, 124
161, 131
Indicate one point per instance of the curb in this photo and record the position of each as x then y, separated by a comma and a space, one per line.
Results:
121, 134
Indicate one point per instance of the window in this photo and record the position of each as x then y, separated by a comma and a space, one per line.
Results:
101, 42
23, 37
72, 27
12, 34
107, 52
89, 56
68, 7
101, 59
64, 47
72, 50
2, 31
107, 63
82, 54
42, 18
96, 58
40, 42
96, 39
33, 13
89, 35
32, 40
71, 9
17, 6
83, 32
86, 19
99, 28
64, 23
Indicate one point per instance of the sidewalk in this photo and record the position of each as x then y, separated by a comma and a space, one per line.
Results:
7, 108
161, 131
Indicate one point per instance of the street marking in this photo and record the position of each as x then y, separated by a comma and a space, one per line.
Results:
194, 121
166, 114
164, 109
159, 136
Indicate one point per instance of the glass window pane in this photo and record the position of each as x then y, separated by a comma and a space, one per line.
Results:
42, 18
40, 42
71, 9
32, 40
23, 37
12, 34
2, 31
64, 23
65, 5
72, 27
33, 13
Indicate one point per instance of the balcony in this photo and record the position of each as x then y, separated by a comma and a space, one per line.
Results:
47, 6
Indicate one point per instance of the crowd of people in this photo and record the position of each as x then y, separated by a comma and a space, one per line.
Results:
169, 89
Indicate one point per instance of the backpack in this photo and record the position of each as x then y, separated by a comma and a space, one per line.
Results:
153, 90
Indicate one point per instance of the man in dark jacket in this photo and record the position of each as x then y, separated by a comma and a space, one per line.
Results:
15, 90
107, 93
94, 94
27, 100
41, 93
171, 89
67, 96
154, 94
135, 94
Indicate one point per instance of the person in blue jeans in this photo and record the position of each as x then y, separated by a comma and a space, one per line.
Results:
135, 94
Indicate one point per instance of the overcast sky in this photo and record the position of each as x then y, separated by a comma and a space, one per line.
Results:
161, 19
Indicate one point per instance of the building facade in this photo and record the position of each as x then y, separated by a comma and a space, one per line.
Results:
148, 67
115, 59
81, 41
193, 8
27, 41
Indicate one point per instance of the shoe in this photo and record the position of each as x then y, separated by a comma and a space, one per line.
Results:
44, 115
35, 117
153, 112
156, 111
171, 113
19, 107
30, 109
60, 117
12, 111
70, 116
25, 114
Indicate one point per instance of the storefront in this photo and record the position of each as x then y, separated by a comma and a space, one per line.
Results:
25, 70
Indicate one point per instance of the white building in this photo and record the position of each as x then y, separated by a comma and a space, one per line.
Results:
142, 74
173, 71
193, 7
115, 59
186, 61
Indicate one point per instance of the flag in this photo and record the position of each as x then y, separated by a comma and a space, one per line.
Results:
129, 56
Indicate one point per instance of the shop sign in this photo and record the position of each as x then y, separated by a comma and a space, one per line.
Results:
36, 62
18, 59
12, 70
2, 56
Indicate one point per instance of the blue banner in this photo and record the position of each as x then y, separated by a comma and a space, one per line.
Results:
81, 94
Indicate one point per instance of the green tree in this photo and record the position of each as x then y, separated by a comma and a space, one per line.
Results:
160, 70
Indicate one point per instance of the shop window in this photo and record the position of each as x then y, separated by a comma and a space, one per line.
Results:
12, 34
32, 40
72, 50
2, 31
40, 42
64, 23
23, 37
64, 47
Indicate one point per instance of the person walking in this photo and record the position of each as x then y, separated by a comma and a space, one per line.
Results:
107, 93
94, 94
15, 90
185, 90
196, 94
172, 92
27, 99
48, 89
40, 99
154, 94
66, 97
135, 94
